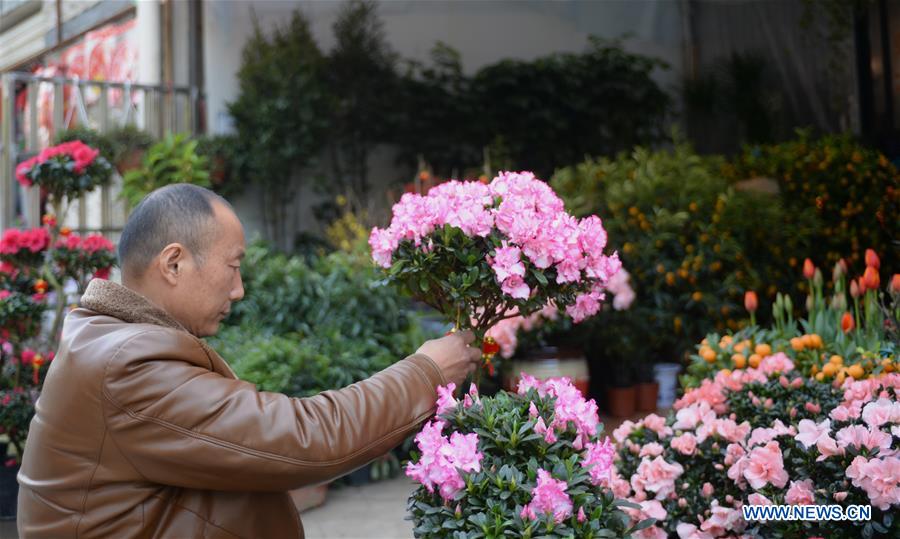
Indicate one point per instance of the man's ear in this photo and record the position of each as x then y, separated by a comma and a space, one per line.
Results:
171, 261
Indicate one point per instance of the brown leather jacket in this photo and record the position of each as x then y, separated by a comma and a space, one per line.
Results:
142, 430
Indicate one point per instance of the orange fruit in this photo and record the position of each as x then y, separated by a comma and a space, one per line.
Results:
708, 354
856, 371
816, 340
836, 359
830, 369
754, 360
808, 341
797, 344
739, 361
813, 370
763, 350
820, 376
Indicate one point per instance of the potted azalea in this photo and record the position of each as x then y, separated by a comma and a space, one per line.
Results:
481, 253
524, 464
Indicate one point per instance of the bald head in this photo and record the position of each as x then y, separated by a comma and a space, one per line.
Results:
178, 213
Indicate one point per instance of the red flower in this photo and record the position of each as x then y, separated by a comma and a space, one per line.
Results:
872, 259
4, 294
871, 278
751, 302
809, 270
9, 243
895, 283
847, 323
102, 273
49, 220
28, 356
96, 242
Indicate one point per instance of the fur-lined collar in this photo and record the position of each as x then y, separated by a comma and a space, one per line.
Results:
112, 299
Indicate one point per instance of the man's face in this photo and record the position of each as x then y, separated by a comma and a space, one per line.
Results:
205, 291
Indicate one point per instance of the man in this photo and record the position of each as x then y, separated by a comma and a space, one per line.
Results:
142, 430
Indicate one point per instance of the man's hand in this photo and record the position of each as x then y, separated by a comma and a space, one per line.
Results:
453, 355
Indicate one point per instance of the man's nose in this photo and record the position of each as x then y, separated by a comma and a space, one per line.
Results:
238, 291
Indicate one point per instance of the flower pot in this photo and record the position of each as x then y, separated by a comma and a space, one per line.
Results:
647, 394
666, 375
552, 362
309, 497
621, 401
130, 161
9, 491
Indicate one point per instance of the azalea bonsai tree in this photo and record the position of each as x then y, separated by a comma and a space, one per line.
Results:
483, 252
530, 464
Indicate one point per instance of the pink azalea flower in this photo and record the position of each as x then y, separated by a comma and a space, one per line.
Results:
549, 497
765, 465
652, 449
882, 411
859, 437
776, 363
657, 476
516, 287
445, 399
722, 520
758, 499
686, 444
811, 432
508, 262
598, 458
800, 493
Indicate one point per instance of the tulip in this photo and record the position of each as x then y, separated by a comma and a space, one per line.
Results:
818, 280
854, 289
872, 259
871, 278
751, 302
895, 283
808, 269
847, 323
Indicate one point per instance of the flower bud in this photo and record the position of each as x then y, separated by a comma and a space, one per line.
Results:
847, 322
818, 280
895, 284
872, 259
871, 278
751, 302
854, 289
809, 269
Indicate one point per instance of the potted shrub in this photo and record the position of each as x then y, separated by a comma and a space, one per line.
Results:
524, 464
171, 160
129, 146
482, 253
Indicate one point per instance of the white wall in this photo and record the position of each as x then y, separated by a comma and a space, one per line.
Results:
482, 31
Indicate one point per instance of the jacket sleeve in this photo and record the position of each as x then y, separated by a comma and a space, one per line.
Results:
178, 423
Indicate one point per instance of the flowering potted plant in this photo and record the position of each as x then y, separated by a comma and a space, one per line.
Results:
529, 464
66, 170
481, 253
760, 436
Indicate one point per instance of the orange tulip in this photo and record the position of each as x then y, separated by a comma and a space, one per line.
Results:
895, 283
751, 302
871, 278
872, 259
847, 323
809, 269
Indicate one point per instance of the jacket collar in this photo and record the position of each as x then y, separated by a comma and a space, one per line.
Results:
112, 299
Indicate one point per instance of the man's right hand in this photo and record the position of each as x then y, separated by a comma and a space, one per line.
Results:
453, 355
